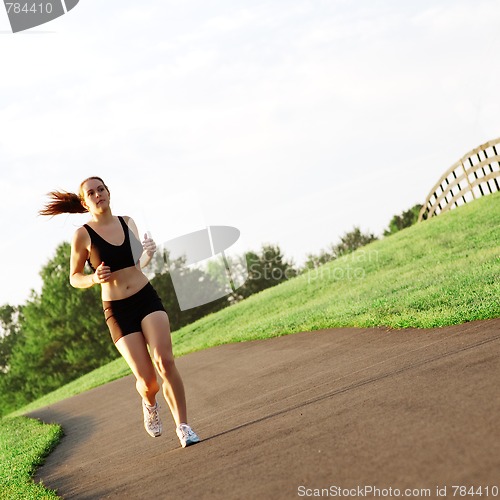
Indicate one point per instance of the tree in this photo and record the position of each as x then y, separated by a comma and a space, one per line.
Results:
62, 335
350, 241
313, 261
192, 277
235, 278
9, 331
9, 336
405, 219
264, 271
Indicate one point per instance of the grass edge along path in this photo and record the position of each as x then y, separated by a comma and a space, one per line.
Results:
24, 443
442, 272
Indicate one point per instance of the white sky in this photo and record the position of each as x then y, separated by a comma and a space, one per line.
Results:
291, 120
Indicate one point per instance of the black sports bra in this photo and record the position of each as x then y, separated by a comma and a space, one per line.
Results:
115, 256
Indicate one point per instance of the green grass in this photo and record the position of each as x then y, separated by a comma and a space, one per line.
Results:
441, 272
24, 443
107, 373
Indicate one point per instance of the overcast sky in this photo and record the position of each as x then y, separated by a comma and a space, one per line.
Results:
291, 120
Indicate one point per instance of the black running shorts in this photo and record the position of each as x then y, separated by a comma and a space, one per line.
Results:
124, 316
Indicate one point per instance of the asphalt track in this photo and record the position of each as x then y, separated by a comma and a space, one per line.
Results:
336, 409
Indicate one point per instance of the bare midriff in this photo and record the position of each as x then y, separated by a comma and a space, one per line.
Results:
123, 283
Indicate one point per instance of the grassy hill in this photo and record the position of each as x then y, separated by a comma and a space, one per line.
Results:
440, 272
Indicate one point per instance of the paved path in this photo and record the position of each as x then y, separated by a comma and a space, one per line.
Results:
340, 408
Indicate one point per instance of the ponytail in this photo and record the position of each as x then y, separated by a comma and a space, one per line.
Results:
63, 203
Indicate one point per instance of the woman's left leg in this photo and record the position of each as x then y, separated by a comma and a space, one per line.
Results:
156, 330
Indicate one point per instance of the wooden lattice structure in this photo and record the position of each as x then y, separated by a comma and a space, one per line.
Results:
476, 174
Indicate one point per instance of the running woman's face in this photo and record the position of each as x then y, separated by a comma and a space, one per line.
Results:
95, 196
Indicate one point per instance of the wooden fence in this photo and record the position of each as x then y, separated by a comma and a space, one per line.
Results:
476, 174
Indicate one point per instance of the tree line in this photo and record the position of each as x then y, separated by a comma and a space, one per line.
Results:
59, 334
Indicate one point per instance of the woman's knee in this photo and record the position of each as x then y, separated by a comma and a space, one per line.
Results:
165, 365
147, 386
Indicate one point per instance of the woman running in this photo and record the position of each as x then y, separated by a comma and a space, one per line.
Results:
133, 310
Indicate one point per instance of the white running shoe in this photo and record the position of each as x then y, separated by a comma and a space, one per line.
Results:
186, 435
152, 422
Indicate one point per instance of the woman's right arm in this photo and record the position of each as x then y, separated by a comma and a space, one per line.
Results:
79, 255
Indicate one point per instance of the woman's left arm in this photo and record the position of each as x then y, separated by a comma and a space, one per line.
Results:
148, 245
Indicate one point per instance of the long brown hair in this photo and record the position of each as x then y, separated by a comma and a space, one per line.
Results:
63, 202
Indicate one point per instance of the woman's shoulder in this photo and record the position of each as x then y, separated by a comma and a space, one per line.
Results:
82, 230
127, 219
81, 235
130, 224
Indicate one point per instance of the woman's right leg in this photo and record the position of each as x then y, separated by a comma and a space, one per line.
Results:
134, 349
